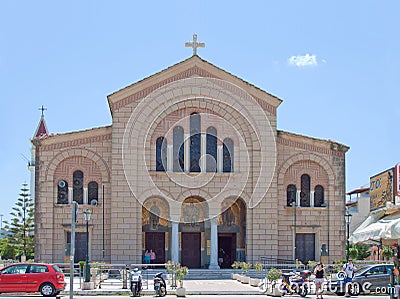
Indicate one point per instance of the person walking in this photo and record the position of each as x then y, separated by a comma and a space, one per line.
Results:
320, 275
349, 269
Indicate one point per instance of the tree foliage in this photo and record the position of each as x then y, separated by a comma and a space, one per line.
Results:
21, 228
360, 251
363, 251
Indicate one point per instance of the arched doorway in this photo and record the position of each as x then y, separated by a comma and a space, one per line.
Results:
194, 212
155, 213
231, 232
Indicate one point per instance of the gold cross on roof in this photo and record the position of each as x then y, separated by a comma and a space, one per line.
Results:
194, 44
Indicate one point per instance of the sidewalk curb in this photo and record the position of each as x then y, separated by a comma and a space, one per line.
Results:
151, 292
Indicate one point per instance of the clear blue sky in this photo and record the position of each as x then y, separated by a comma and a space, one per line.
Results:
335, 65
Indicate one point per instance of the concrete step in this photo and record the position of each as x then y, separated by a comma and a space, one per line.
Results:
205, 274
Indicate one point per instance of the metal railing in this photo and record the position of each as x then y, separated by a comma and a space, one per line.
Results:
117, 275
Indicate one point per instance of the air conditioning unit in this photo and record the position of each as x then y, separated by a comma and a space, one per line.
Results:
94, 202
61, 183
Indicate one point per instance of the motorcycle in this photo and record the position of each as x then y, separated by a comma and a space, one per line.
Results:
295, 283
160, 287
136, 282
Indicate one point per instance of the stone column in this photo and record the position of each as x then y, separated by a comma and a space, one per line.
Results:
170, 158
187, 153
220, 160
312, 202
70, 194
214, 244
203, 158
298, 198
175, 242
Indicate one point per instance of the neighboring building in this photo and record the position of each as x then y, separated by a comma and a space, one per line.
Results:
193, 167
382, 226
358, 205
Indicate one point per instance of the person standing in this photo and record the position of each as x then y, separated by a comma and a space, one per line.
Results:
152, 256
320, 275
349, 269
147, 257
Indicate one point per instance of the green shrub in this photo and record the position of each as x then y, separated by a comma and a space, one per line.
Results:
387, 252
258, 267
273, 275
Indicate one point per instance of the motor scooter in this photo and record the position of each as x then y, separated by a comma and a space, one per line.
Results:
295, 283
136, 282
160, 287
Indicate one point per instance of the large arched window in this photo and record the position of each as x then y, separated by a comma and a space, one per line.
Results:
305, 191
62, 192
227, 155
78, 187
291, 195
319, 196
161, 154
178, 150
93, 193
211, 150
195, 142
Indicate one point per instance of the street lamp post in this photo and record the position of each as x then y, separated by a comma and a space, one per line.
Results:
87, 214
348, 219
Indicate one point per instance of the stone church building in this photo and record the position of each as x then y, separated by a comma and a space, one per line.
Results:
194, 168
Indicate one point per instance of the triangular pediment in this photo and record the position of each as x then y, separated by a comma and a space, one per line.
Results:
191, 67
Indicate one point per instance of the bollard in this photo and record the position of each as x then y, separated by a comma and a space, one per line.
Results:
125, 277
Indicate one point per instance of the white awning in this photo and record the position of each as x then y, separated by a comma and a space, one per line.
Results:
385, 228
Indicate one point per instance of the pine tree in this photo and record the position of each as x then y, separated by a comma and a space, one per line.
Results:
21, 228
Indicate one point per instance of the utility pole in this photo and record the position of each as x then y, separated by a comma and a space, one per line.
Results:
72, 249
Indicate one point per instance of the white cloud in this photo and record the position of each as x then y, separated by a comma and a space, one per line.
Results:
303, 60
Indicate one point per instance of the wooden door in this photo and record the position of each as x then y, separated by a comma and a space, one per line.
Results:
80, 246
156, 242
191, 250
305, 247
226, 250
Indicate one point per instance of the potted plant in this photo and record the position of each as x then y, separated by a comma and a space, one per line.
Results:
273, 275
235, 266
387, 252
245, 269
180, 274
256, 280
171, 268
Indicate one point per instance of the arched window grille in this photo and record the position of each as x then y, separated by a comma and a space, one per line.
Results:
62, 192
319, 196
93, 193
291, 195
227, 155
161, 154
305, 191
78, 187
195, 142
211, 149
178, 149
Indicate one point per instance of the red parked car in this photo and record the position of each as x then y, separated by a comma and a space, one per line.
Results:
48, 279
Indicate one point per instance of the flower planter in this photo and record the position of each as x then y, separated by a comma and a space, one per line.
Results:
274, 291
180, 292
245, 279
255, 282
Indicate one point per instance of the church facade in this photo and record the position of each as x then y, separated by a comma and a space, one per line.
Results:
194, 168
